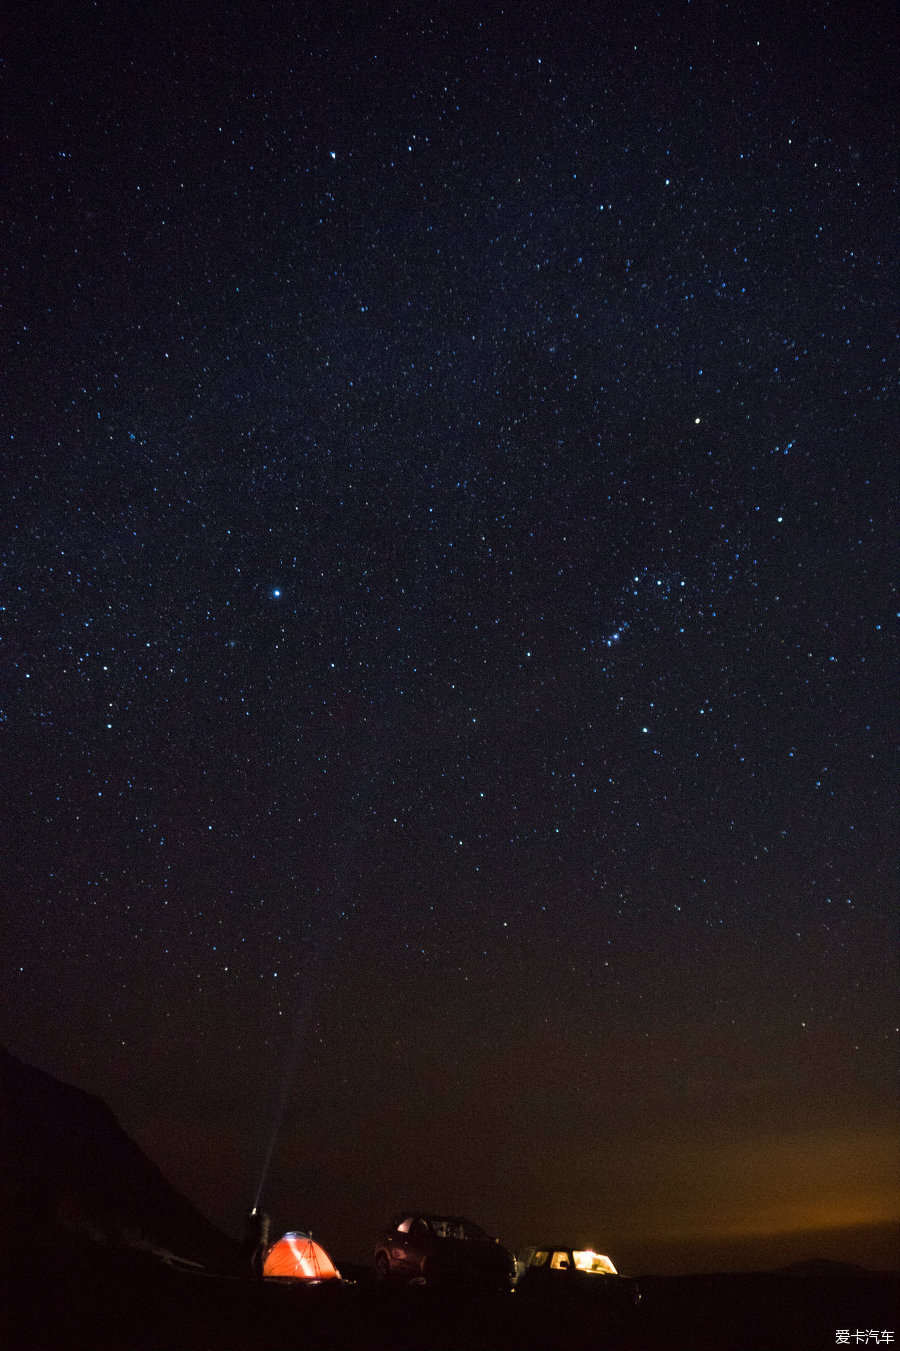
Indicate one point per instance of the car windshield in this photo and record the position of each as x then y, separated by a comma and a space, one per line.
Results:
450, 1226
594, 1262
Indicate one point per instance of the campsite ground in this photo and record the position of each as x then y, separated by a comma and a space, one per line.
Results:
85, 1298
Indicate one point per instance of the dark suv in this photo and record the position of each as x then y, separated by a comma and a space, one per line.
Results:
557, 1272
442, 1250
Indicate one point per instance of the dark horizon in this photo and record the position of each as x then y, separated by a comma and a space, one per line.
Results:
450, 611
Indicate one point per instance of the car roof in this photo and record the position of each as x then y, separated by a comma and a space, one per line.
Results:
431, 1215
559, 1247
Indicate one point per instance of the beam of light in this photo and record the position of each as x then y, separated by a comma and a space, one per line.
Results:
408, 614
303, 1022
321, 961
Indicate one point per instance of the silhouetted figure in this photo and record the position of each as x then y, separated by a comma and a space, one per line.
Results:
256, 1242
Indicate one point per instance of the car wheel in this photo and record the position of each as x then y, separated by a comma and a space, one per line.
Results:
382, 1268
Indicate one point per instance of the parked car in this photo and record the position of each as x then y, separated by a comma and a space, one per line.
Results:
557, 1272
442, 1250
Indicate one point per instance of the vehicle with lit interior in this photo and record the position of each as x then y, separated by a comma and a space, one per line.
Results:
442, 1250
556, 1272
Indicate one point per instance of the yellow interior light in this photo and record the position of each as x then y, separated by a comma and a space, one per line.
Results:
594, 1262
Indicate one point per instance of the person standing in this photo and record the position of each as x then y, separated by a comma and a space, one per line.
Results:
256, 1242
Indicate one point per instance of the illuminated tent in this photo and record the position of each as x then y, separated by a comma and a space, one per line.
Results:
297, 1255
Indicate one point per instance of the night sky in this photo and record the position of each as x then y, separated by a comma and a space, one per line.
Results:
448, 614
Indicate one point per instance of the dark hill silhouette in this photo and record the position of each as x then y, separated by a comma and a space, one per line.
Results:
66, 1165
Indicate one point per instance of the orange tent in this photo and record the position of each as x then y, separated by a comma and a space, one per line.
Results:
296, 1255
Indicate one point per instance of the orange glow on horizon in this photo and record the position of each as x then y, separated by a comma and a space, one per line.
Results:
813, 1181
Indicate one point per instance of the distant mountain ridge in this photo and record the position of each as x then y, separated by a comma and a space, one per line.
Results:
67, 1165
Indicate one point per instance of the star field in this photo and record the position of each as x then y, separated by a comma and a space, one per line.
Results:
448, 604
